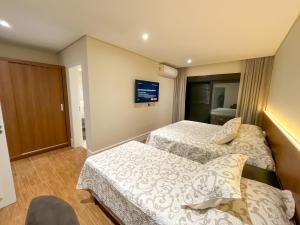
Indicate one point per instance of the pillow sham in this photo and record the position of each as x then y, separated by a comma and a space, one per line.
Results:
261, 204
289, 202
227, 132
249, 130
259, 153
217, 183
266, 204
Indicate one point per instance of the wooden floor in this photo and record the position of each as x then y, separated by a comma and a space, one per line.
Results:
52, 173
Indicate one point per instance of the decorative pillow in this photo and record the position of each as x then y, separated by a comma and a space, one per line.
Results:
249, 130
227, 132
261, 204
259, 153
266, 204
217, 183
289, 202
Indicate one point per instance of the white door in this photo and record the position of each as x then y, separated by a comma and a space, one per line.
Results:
7, 189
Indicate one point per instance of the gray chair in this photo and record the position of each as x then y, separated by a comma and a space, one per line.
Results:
50, 210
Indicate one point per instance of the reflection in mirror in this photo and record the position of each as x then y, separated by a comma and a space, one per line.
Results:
224, 102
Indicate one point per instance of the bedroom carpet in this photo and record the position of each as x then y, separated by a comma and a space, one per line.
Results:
52, 173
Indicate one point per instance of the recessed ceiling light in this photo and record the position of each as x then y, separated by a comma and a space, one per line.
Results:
3, 23
189, 61
145, 36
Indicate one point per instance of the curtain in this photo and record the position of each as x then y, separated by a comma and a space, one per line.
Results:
254, 89
179, 96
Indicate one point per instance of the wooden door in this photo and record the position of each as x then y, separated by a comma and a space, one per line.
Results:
198, 102
36, 110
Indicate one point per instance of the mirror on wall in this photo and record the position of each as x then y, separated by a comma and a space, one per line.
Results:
224, 102
212, 99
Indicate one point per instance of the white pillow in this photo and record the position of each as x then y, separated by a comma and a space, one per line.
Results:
227, 132
260, 204
217, 183
252, 131
289, 203
266, 204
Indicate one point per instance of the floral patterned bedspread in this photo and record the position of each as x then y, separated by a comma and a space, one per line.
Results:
143, 185
192, 140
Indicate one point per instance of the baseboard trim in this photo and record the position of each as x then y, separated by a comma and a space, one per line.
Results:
141, 137
41, 150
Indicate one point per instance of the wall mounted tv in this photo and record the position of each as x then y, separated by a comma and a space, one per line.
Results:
146, 91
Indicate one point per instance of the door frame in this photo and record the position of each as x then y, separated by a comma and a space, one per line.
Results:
8, 194
75, 119
66, 105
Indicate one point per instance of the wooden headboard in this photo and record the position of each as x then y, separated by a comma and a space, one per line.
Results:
287, 160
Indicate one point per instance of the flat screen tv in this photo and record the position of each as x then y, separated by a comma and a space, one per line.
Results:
146, 91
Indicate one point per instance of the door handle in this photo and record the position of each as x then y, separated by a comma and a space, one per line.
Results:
62, 107
1, 131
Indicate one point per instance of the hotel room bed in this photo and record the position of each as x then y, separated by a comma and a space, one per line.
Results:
220, 116
142, 185
192, 140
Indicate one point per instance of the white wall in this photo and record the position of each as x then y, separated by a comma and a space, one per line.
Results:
114, 115
212, 69
24, 53
73, 55
284, 97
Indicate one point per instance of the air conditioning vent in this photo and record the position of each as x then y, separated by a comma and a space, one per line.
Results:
167, 71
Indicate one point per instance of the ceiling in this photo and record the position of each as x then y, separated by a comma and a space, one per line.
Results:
206, 31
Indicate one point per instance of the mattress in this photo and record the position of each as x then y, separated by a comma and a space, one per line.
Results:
143, 185
192, 140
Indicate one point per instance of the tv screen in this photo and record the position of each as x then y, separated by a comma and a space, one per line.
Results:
146, 91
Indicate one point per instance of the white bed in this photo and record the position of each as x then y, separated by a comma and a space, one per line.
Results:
220, 116
142, 185
226, 112
192, 140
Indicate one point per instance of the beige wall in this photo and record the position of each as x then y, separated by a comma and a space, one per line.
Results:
219, 68
24, 53
114, 115
284, 97
108, 85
